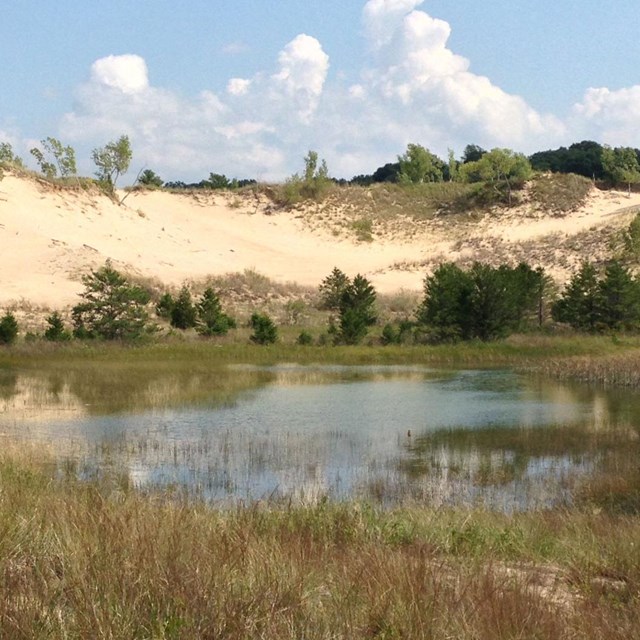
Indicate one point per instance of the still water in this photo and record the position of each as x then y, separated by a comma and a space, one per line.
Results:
392, 434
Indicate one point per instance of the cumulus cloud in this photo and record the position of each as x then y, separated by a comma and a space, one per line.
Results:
126, 73
302, 74
609, 116
414, 88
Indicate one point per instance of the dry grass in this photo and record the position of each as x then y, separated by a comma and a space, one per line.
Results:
559, 193
619, 370
101, 561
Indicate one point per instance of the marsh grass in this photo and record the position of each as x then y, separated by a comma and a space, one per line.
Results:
98, 560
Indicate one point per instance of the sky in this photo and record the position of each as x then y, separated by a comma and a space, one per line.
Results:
246, 88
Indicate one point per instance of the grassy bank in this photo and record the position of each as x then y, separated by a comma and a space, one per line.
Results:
516, 350
84, 560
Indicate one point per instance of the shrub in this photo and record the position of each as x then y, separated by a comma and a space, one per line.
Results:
165, 306
357, 312
211, 319
264, 329
304, 339
56, 332
184, 314
112, 308
8, 328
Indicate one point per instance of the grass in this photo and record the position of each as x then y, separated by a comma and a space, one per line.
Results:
89, 560
560, 193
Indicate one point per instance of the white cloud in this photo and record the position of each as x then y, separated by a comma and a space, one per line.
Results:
415, 88
609, 116
238, 86
127, 73
303, 71
382, 17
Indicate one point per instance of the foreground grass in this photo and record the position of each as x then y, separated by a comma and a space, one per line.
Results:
84, 560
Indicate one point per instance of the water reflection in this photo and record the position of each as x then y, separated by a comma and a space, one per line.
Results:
388, 433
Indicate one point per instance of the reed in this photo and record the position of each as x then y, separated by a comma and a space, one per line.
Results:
89, 560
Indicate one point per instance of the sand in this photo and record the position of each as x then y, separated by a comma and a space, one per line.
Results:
50, 237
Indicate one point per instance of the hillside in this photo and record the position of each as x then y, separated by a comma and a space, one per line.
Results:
50, 236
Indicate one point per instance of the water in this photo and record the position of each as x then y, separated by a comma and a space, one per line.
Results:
390, 434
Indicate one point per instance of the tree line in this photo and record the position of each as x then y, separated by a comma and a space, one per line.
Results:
480, 302
616, 166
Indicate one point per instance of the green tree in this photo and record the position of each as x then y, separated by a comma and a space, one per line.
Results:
47, 168
618, 299
418, 165
212, 321
332, 289
472, 153
218, 181
357, 311
621, 165
8, 328
165, 306
111, 307
184, 314
264, 329
56, 332
112, 160
498, 168
578, 304
7, 157
149, 178
64, 158
313, 184
446, 307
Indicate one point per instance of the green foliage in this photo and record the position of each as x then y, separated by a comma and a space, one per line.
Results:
446, 307
357, 311
559, 193
212, 321
314, 183
363, 228
218, 181
8, 328
64, 158
609, 303
631, 240
472, 153
578, 305
332, 289
418, 165
112, 160
165, 306
621, 165
47, 168
581, 158
304, 339
482, 302
184, 314
112, 308
150, 178
55, 331
7, 157
498, 167
264, 329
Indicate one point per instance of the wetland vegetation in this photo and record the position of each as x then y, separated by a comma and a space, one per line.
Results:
106, 553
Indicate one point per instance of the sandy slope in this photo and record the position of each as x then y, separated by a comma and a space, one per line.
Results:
50, 236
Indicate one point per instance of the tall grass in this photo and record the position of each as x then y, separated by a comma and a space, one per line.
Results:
101, 561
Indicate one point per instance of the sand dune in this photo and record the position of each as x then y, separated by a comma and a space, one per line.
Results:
50, 236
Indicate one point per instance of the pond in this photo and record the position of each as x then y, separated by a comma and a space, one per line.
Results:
393, 434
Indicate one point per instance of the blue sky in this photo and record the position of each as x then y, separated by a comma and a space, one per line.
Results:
245, 88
